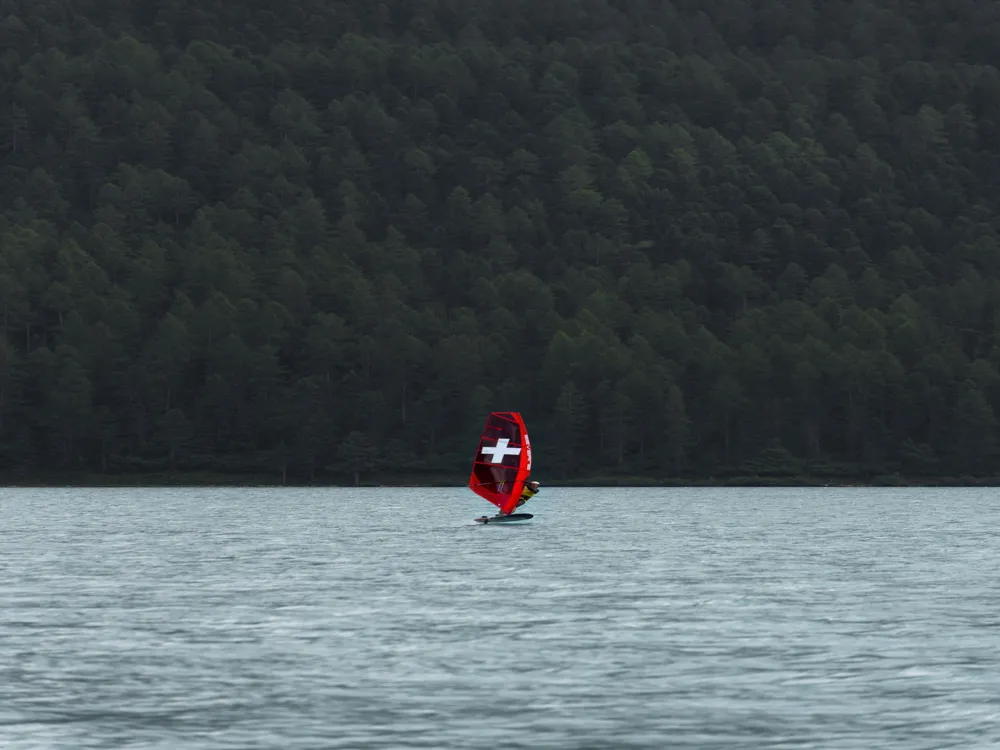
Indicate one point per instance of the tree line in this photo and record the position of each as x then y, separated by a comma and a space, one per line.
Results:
684, 239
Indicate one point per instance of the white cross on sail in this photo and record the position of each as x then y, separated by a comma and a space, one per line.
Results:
500, 450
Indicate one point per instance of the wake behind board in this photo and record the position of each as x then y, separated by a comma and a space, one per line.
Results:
512, 518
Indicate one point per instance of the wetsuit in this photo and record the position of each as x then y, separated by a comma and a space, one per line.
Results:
526, 494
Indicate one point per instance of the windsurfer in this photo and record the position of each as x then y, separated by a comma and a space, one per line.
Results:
529, 491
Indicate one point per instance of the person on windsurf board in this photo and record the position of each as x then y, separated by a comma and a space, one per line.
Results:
529, 491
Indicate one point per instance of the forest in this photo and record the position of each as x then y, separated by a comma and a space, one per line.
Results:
318, 242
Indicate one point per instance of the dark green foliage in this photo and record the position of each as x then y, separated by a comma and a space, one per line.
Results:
685, 240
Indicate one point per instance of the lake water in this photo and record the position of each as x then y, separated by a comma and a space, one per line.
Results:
385, 618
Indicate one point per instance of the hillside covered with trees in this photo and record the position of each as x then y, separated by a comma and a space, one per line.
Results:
689, 239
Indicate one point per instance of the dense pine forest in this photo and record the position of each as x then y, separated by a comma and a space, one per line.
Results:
318, 239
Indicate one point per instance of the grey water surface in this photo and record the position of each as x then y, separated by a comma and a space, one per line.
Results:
385, 618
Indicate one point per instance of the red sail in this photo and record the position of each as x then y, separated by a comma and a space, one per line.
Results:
503, 460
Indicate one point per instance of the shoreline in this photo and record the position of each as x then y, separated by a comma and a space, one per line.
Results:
210, 479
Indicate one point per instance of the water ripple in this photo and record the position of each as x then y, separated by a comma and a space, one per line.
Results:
300, 619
